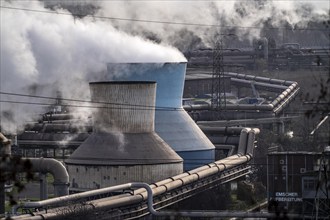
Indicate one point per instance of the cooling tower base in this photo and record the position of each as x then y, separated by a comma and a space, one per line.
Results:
194, 159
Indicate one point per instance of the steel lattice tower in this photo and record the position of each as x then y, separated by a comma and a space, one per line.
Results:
321, 201
218, 82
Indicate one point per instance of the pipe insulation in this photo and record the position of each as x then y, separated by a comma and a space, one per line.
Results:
251, 140
6, 146
5, 152
243, 141
276, 106
57, 169
70, 198
273, 84
221, 130
260, 79
259, 85
139, 195
193, 176
44, 165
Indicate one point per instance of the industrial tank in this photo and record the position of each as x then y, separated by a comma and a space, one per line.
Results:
123, 146
172, 122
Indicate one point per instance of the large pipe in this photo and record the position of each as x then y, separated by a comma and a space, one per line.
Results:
157, 188
203, 214
243, 121
286, 101
59, 127
230, 148
250, 141
5, 152
57, 169
290, 87
6, 146
49, 117
45, 165
70, 198
242, 145
41, 165
246, 139
221, 130
232, 140
259, 85
262, 107
260, 79
139, 195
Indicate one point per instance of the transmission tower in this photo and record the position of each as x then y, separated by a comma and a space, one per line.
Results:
218, 81
322, 200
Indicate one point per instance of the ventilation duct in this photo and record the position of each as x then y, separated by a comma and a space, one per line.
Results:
123, 146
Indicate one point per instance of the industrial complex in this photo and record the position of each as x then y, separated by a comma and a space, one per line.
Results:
237, 122
140, 132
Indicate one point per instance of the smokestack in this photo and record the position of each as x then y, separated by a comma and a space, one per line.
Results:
124, 146
172, 122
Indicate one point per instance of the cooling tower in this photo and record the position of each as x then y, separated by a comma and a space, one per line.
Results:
172, 122
123, 146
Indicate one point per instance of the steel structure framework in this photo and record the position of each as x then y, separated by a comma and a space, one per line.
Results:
218, 82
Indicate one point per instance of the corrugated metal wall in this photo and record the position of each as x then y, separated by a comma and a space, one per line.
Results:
128, 108
94, 177
172, 122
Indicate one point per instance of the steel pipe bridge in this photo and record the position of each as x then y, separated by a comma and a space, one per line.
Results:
127, 202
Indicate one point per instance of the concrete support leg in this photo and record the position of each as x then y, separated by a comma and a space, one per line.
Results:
43, 186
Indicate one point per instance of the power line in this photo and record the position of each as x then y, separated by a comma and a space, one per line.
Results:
87, 106
156, 21
188, 0
129, 106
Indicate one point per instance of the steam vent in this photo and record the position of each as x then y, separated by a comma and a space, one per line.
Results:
172, 122
123, 146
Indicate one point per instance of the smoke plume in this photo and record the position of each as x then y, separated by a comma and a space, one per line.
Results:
42, 53
246, 19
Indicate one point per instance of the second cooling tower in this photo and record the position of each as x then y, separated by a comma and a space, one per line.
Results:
172, 122
123, 146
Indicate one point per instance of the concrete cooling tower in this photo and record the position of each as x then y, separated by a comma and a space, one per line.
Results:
172, 122
123, 146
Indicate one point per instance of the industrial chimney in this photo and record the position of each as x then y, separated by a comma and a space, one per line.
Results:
123, 146
172, 122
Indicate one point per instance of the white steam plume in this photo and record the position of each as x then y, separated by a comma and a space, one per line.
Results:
233, 14
42, 53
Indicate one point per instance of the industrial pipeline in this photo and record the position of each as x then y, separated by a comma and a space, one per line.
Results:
125, 204
290, 88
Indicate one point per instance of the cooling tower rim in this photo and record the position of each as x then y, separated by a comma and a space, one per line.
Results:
122, 82
140, 63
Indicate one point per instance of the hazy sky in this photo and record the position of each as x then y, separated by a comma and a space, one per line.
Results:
43, 52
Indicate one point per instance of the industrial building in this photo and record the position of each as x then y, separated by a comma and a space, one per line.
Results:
141, 132
298, 183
